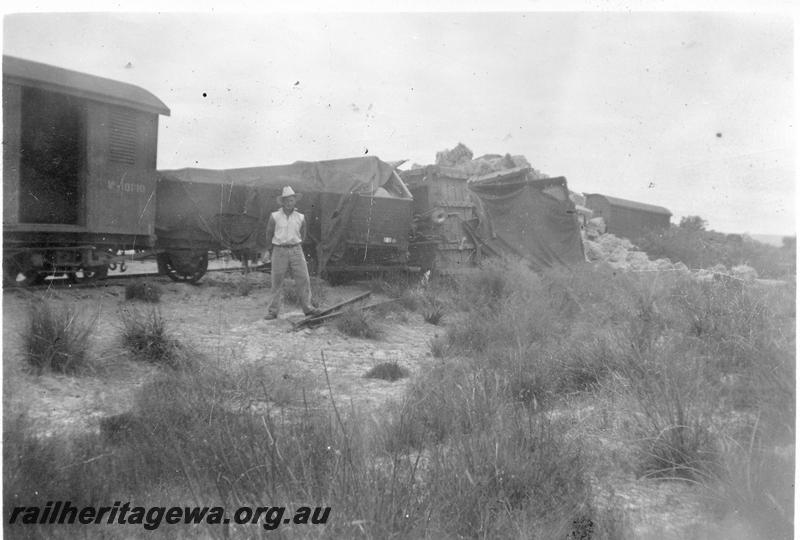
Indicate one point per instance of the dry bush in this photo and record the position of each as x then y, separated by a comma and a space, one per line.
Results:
143, 290
391, 309
388, 371
359, 323
704, 249
673, 414
434, 312
495, 468
507, 307
391, 284
411, 299
56, 338
756, 483
148, 337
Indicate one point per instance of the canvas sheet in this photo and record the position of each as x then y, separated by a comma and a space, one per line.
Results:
528, 219
211, 204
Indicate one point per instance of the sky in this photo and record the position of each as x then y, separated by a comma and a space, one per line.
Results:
689, 110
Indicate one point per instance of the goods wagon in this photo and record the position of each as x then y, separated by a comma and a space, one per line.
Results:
79, 170
442, 204
358, 212
461, 218
531, 217
628, 219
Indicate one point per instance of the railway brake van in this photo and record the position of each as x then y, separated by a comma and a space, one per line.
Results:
79, 171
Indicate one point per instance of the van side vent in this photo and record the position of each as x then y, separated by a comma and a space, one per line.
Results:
122, 148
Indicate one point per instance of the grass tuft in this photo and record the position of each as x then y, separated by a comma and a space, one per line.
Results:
434, 312
148, 337
358, 323
56, 339
388, 371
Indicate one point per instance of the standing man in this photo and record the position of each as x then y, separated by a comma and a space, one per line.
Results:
286, 232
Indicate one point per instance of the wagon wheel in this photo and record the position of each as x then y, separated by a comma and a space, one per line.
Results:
89, 274
18, 270
183, 268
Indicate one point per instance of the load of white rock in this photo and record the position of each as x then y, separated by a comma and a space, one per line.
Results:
622, 254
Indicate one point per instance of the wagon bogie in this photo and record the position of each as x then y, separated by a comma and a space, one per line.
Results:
30, 265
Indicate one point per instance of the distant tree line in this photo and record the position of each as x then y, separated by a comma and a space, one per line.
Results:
697, 247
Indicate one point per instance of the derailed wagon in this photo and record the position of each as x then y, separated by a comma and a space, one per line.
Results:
462, 218
358, 212
531, 218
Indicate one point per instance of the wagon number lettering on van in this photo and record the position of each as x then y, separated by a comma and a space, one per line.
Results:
127, 187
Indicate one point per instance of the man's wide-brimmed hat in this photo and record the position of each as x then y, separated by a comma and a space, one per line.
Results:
288, 192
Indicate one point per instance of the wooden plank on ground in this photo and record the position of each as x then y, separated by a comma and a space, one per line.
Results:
326, 311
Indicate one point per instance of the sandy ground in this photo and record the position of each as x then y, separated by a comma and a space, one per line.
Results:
221, 325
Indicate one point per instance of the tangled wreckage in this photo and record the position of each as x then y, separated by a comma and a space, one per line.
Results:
468, 209
366, 216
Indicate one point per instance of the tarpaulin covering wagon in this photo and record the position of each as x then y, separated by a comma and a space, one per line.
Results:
358, 212
461, 218
531, 218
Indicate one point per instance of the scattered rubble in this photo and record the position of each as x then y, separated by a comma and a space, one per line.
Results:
620, 253
744, 272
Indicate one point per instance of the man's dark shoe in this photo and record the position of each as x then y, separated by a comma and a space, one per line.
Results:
270, 317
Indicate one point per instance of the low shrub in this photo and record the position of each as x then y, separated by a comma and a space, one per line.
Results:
56, 338
756, 484
495, 468
393, 285
474, 333
37, 469
388, 371
673, 410
411, 299
385, 309
519, 478
359, 323
147, 336
699, 248
143, 290
434, 312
